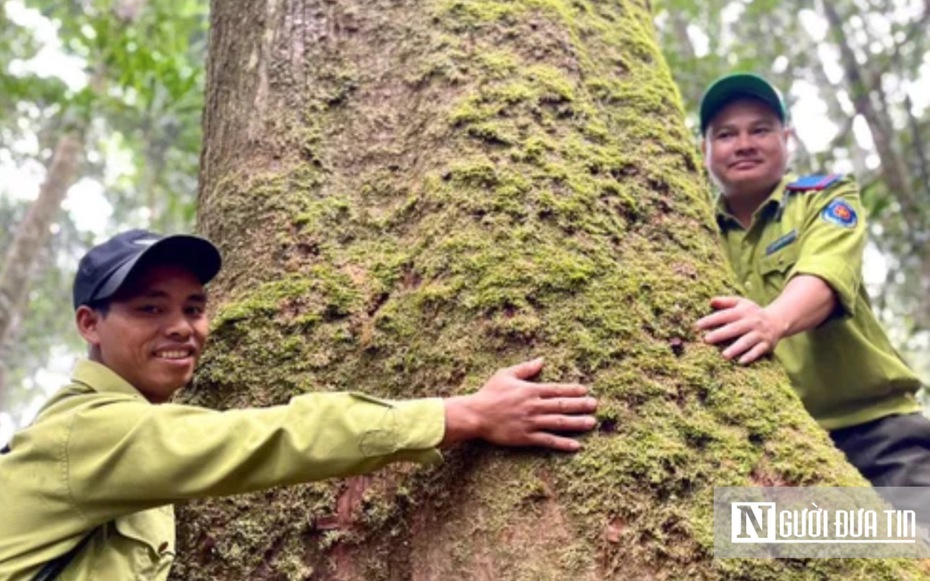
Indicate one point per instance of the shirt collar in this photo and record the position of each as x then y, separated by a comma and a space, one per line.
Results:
102, 379
777, 199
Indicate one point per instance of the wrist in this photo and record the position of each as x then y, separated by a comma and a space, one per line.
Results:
462, 422
780, 322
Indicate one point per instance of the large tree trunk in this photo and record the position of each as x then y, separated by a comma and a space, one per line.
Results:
412, 194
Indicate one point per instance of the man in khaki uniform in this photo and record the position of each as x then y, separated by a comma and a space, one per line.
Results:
796, 246
87, 490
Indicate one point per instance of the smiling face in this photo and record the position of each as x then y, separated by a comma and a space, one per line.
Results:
154, 331
746, 151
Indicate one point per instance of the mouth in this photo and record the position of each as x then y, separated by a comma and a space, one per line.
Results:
180, 355
745, 164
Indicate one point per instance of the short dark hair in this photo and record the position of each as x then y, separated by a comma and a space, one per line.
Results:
102, 306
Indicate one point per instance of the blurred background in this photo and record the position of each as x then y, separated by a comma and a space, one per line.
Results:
101, 100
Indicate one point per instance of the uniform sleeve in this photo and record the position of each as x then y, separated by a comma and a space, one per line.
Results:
127, 456
832, 240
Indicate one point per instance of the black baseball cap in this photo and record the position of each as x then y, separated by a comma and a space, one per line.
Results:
726, 89
106, 267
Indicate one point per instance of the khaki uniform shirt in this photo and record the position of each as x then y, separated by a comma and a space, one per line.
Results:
845, 371
101, 458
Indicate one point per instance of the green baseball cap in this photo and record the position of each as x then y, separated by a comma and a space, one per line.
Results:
724, 90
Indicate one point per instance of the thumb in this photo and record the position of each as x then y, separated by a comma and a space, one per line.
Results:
527, 369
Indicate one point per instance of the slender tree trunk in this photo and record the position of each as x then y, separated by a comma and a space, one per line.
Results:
894, 169
410, 195
31, 237
897, 173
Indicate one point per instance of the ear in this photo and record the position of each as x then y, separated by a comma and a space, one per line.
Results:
87, 320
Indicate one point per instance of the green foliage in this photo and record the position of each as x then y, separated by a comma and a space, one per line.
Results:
16, 43
145, 69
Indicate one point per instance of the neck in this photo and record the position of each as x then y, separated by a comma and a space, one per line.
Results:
744, 203
94, 355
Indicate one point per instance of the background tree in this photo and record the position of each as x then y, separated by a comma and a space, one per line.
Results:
31, 237
410, 195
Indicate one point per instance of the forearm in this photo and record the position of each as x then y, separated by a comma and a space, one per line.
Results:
806, 302
173, 452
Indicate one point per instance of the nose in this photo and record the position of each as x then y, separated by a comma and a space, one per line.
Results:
744, 142
178, 326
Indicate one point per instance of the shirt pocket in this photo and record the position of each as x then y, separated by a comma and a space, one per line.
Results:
777, 265
145, 542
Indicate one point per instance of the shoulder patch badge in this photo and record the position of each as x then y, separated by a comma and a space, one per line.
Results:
814, 182
840, 213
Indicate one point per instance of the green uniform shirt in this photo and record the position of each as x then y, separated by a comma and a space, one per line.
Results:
845, 371
100, 457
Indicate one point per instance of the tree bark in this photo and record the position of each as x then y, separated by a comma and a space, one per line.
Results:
410, 195
32, 235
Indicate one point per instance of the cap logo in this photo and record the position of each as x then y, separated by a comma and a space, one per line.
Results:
145, 242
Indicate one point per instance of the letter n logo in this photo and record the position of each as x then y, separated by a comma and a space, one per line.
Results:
752, 522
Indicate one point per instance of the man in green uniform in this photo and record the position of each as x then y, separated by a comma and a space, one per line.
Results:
88, 487
796, 246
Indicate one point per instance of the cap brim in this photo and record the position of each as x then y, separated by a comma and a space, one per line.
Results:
729, 88
196, 254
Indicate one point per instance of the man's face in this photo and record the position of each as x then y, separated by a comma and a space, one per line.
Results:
154, 331
746, 148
